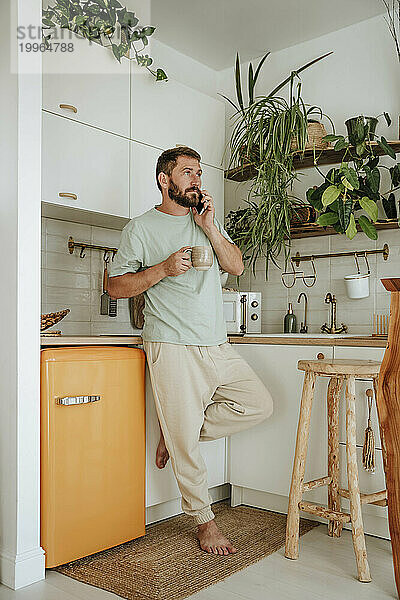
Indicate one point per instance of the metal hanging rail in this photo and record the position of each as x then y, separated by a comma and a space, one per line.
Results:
297, 259
83, 245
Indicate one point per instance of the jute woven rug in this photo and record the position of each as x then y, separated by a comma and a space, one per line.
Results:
167, 563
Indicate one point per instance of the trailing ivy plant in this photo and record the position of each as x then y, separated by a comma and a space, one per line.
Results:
267, 133
349, 194
99, 19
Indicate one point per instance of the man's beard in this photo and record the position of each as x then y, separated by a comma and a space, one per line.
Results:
187, 199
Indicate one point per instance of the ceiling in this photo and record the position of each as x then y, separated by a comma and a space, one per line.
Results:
212, 31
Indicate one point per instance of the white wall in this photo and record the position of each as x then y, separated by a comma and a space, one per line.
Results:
21, 558
361, 77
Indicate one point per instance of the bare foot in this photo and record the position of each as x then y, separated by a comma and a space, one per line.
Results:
162, 455
213, 541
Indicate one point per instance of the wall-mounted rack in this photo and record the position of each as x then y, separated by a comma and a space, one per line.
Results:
297, 259
83, 246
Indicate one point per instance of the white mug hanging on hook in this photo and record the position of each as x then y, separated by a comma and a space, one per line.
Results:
357, 285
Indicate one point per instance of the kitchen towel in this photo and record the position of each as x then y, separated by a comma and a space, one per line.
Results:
167, 562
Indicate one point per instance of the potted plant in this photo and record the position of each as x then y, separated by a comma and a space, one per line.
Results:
99, 21
349, 194
263, 134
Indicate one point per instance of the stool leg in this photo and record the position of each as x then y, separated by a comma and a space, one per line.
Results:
334, 503
354, 490
293, 519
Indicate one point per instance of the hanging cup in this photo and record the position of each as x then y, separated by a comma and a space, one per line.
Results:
357, 285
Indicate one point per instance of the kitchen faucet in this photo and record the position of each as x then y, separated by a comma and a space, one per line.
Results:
332, 328
303, 326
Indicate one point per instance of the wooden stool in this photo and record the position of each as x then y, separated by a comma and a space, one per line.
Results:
340, 371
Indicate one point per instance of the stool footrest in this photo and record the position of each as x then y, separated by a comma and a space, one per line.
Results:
315, 483
323, 511
377, 498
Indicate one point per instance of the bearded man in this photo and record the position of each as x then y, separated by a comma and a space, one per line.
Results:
203, 389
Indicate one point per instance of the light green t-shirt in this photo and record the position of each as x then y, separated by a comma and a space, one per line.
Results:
186, 309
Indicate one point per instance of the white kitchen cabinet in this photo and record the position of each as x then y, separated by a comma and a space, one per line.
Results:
144, 193
85, 162
169, 113
361, 398
91, 80
161, 485
213, 181
261, 458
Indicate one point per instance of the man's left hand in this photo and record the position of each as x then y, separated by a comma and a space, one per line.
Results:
205, 220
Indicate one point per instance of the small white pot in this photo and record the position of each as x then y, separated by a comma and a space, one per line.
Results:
357, 286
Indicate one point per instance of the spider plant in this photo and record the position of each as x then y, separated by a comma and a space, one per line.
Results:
267, 133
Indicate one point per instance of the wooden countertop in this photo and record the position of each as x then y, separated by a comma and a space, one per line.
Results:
295, 340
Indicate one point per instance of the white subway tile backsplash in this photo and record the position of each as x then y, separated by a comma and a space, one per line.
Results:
69, 281
66, 297
80, 232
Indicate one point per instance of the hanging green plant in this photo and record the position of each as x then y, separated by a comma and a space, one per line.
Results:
349, 195
97, 20
268, 133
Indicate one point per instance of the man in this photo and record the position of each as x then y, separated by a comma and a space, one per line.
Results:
203, 389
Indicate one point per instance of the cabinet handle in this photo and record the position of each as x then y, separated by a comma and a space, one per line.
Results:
74, 400
320, 356
69, 106
67, 195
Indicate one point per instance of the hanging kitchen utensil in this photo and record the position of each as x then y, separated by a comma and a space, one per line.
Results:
368, 454
112, 305
104, 298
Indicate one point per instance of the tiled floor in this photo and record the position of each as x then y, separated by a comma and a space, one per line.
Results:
325, 571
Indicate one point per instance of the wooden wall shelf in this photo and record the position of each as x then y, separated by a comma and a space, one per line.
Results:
313, 230
324, 157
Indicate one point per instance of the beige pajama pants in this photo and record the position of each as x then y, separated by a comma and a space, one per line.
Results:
201, 393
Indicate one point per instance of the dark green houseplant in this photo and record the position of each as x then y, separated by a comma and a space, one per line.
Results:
97, 20
349, 194
267, 133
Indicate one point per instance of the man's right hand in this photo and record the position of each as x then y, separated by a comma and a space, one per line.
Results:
177, 263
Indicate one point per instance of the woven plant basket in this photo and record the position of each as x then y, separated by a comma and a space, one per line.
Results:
51, 319
315, 132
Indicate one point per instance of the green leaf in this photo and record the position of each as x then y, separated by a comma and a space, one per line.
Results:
130, 19
251, 84
330, 195
344, 212
161, 75
387, 118
328, 218
386, 148
332, 138
368, 228
352, 228
340, 145
374, 179
370, 207
115, 50
148, 30
238, 83
361, 148
350, 175
395, 175
314, 198
145, 41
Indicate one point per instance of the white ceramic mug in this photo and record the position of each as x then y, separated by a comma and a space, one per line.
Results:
357, 286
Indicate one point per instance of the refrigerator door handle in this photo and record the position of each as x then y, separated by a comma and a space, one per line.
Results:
72, 400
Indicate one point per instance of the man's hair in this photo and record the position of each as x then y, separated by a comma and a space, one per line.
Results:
167, 160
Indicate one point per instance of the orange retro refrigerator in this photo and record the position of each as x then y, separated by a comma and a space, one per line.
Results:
92, 449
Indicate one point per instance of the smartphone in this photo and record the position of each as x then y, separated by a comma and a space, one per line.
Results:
200, 207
